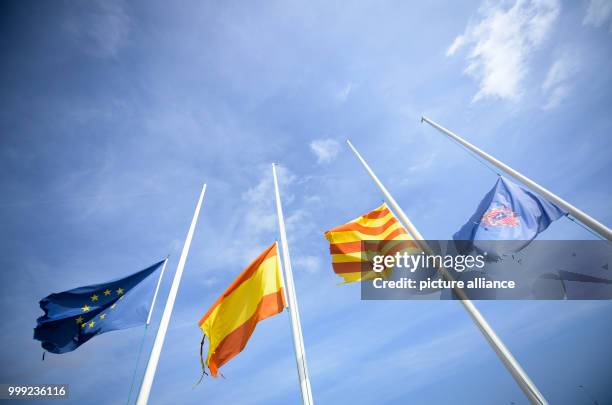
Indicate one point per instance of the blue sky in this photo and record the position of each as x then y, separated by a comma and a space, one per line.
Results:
114, 113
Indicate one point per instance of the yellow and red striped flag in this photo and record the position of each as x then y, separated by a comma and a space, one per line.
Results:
353, 244
256, 294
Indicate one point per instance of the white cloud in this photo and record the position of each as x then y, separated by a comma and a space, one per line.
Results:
457, 43
557, 84
258, 225
501, 44
344, 92
101, 27
261, 215
423, 164
309, 264
325, 149
598, 13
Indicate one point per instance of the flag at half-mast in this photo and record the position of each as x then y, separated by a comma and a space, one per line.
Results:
73, 317
256, 294
353, 244
507, 219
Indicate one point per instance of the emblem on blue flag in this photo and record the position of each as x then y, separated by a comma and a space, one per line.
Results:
73, 317
499, 215
508, 212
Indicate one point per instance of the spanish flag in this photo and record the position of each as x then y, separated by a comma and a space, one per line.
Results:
255, 295
353, 244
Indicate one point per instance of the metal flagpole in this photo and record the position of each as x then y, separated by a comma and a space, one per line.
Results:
147, 381
296, 328
520, 376
581, 216
156, 290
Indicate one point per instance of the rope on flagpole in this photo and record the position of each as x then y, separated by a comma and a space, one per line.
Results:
144, 335
580, 224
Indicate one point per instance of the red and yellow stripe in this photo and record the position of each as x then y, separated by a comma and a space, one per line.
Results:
353, 244
256, 294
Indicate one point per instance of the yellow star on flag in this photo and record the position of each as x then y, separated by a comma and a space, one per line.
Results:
119, 291
107, 292
91, 324
79, 320
94, 297
102, 316
85, 308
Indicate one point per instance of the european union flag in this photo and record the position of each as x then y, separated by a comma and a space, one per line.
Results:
73, 317
507, 213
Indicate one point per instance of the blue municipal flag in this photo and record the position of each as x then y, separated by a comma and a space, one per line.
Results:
508, 212
73, 317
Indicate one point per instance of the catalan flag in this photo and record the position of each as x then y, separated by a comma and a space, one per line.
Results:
256, 294
353, 244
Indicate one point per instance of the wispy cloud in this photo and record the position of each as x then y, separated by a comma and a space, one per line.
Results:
259, 226
308, 263
598, 13
101, 27
261, 215
501, 44
557, 84
423, 164
325, 149
343, 93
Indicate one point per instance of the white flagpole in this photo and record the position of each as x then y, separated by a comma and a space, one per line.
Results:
156, 290
581, 216
147, 381
296, 327
520, 376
